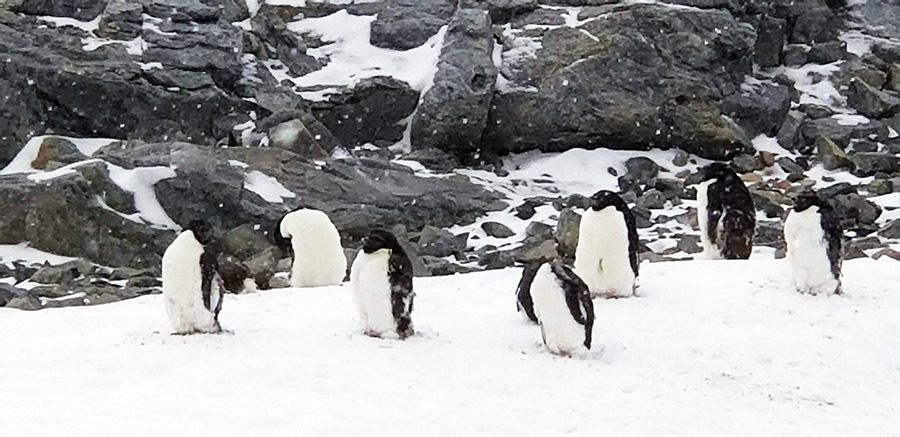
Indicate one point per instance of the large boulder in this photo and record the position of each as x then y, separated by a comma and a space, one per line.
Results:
84, 10
770, 39
372, 111
759, 109
644, 76
405, 24
454, 111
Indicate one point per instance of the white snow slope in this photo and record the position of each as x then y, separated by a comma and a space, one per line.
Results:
714, 348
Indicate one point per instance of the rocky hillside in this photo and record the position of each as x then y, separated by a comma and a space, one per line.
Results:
472, 128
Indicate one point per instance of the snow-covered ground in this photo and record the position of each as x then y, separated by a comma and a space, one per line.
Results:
710, 348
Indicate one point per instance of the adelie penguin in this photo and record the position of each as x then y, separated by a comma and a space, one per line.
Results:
813, 235
606, 257
381, 281
725, 213
562, 304
314, 244
192, 287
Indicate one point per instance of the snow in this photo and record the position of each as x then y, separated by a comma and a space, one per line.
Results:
711, 348
139, 181
22, 161
352, 58
27, 255
764, 143
87, 26
576, 171
850, 119
266, 187
822, 92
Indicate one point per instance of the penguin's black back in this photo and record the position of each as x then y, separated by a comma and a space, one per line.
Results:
578, 298
523, 291
729, 201
604, 198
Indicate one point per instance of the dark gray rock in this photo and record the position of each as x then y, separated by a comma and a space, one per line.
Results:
789, 165
811, 130
441, 267
769, 234
433, 159
539, 230
890, 253
84, 10
890, 230
871, 102
8, 292
263, 267
893, 82
771, 34
245, 241
857, 70
440, 243
567, 230
535, 250
497, 230
27, 302
681, 158
870, 163
453, 113
689, 244
372, 111
294, 136
760, 111
121, 21
795, 55
502, 11
406, 24
644, 76
63, 272
816, 112
832, 156
743, 163
817, 25
855, 212
880, 187
651, 199
828, 52
641, 170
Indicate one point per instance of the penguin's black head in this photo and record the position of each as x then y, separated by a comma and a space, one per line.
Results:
203, 232
379, 239
604, 198
808, 199
717, 171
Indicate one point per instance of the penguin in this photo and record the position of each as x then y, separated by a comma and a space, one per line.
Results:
562, 304
813, 235
524, 303
725, 213
312, 241
606, 256
192, 288
381, 280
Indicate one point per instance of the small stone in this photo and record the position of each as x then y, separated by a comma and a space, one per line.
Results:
880, 187
680, 159
27, 302
751, 178
788, 165
890, 253
497, 230
651, 199
744, 163
816, 112
689, 244
766, 158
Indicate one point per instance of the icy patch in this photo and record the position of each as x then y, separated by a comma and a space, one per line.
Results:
22, 162
352, 58
267, 187
44, 176
139, 181
10, 253
133, 47
823, 92
236, 163
763, 143
850, 119
87, 26
858, 43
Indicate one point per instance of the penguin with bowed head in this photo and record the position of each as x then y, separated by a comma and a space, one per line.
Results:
192, 288
606, 257
813, 235
725, 213
314, 244
563, 306
381, 280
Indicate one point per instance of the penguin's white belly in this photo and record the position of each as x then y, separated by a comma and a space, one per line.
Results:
602, 255
182, 280
561, 333
372, 293
711, 249
807, 252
